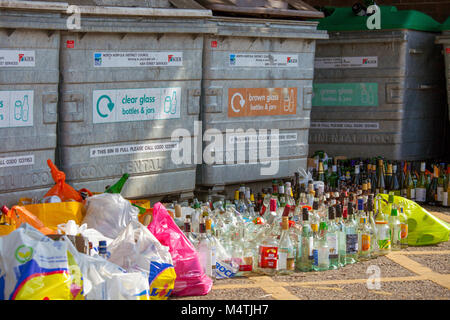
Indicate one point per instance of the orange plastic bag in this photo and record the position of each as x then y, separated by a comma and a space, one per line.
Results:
20, 215
61, 188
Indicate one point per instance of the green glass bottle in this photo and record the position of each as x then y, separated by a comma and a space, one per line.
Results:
118, 186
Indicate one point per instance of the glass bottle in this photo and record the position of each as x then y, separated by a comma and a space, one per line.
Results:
421, 191
305, 250
286, 257
204, 249
268, 254
410, 188
395, 185
332, 239
188, 231
432, 191
403, 229
395, 229
321, 251
351, 236
380, 177
117, 187
342, 245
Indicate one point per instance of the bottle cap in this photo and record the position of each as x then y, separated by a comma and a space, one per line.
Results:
316, 204
236, 195
394, 212
323, 225
177, 211
4, 210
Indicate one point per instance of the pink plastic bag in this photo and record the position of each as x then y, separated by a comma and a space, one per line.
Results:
191, 280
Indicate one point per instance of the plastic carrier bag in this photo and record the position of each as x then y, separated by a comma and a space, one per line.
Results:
137, 250
109, 213
423, 227
103, 280
33, 266
61, 189
191, 280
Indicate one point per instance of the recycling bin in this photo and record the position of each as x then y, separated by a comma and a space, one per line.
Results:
129, 78
256, 100
29, 76
444, 40
378, 92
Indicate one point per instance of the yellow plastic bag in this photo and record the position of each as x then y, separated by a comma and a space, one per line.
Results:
423, 227
5, 229
53, 214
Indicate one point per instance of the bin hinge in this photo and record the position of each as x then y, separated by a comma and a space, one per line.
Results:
73, 107
50, 103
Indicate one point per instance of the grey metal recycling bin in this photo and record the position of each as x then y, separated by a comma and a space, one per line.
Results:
378, 92
29, 76
130, 77
257, 75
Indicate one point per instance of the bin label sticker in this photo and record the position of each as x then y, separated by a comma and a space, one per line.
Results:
17, 58
263, 60
121, 105
345, 125
26, 160
132, 149
16, 109
254, 102
137, 59
345, 95
447, 50
345, 62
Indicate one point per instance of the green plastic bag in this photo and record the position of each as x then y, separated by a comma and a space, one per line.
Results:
423, 228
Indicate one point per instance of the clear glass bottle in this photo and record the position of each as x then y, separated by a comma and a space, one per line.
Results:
213, 245
395, 229
188, 231
286, 257
204, 249
383, 237
403, 229
268, 254
321, 251
305, 250
342, 244
333, 238
351, 237
421, 189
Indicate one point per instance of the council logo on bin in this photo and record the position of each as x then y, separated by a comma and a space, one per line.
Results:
97, 59
232, 59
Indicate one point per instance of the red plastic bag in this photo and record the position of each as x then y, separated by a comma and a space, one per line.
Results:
61, 188
191, 280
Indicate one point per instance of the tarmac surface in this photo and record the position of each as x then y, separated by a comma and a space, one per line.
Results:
415, 273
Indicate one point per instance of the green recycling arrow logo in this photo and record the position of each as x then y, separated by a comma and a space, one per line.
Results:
110, 105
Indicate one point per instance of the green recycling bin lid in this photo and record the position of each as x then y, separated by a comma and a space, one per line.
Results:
446, 25
343, 19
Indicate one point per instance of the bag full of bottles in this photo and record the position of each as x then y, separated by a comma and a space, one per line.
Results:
422, 227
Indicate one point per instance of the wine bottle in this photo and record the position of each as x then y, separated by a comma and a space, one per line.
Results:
421, 189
